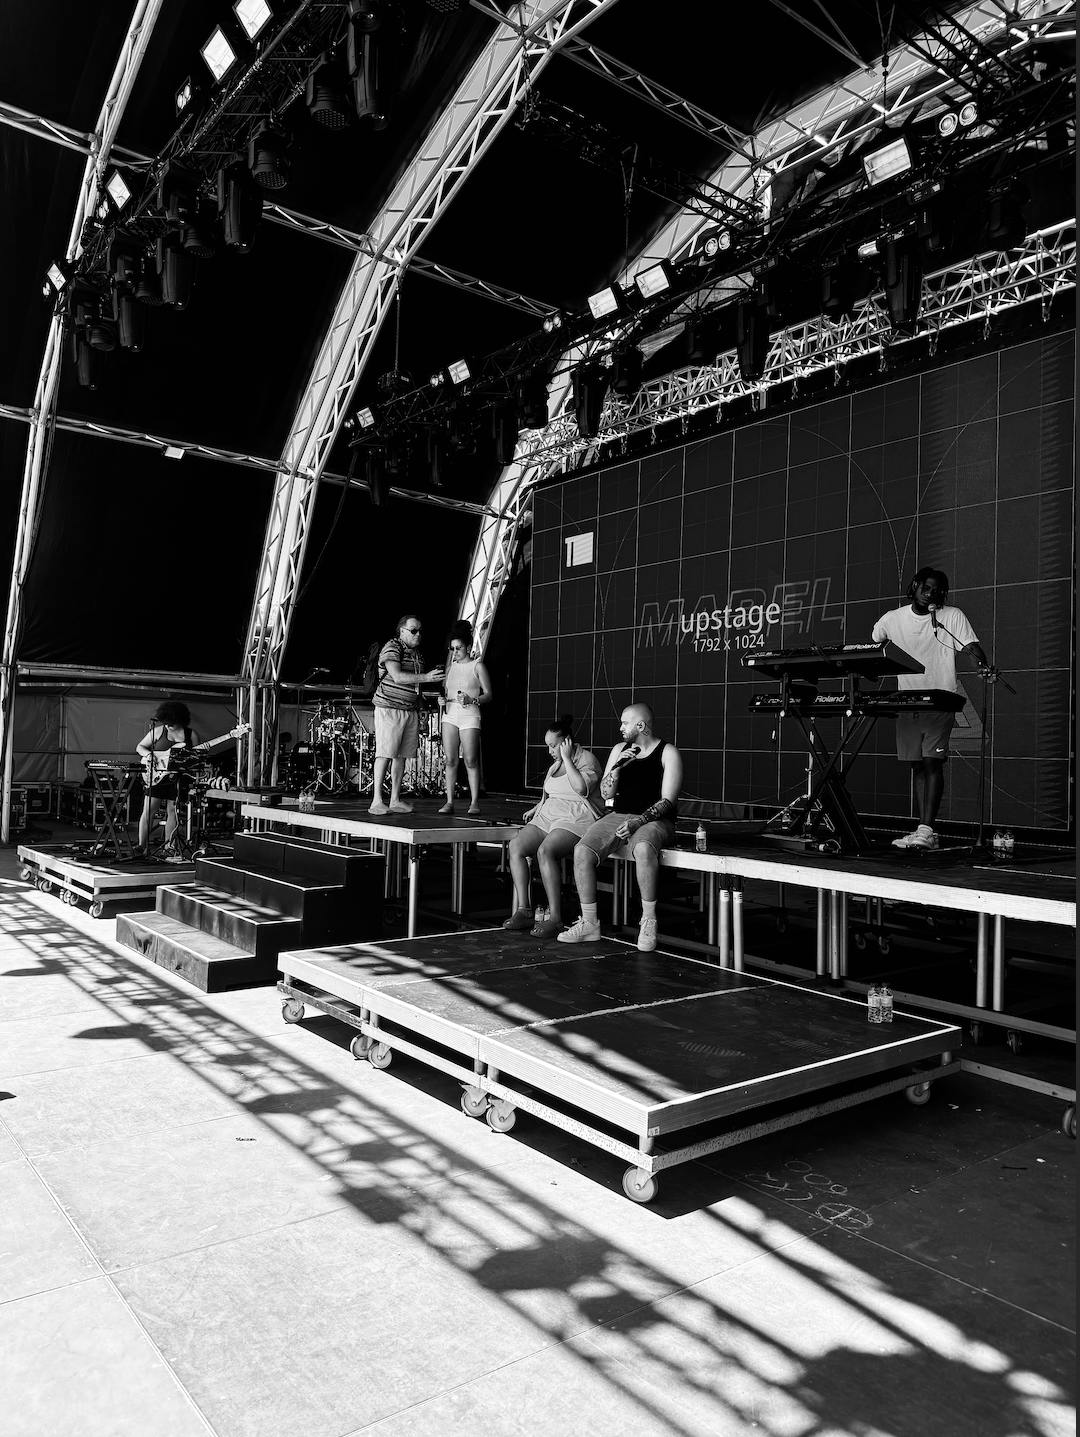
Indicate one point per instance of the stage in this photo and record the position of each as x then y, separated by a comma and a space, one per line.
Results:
403, 834
656, 1058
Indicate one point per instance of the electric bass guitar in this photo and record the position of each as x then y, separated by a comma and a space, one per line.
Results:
179, 759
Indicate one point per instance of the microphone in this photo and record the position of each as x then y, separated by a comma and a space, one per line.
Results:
623, 759
933, 616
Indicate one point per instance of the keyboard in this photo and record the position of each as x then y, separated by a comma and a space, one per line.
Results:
866, 661
878, 705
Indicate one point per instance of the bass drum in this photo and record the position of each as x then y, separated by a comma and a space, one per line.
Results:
297, 769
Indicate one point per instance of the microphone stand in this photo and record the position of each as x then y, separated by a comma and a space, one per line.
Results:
978, 847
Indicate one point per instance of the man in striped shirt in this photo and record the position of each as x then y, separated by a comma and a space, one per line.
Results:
397, 704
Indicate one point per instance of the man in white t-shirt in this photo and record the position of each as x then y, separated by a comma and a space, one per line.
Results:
933, 632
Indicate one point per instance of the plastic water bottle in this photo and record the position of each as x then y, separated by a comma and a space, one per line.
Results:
540, 915
885, 1000
997, 843
873, 1004
1008, 841
700, 839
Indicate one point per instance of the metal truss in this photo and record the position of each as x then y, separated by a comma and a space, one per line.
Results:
987, 285
95, 430
456, 141
44, 408
835, 117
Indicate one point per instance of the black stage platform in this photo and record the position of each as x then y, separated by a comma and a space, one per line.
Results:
619, 1047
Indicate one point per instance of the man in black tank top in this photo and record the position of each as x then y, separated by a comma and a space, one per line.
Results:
640, 786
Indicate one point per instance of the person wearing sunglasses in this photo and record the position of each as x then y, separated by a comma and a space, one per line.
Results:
466, 687
397, 704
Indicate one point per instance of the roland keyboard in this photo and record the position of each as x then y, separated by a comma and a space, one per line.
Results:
864, 661
879, 704
112, 765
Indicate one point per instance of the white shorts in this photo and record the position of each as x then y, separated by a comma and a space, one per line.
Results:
460, 716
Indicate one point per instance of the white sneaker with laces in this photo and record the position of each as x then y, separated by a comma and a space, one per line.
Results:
923, 837
585, 930
646, 937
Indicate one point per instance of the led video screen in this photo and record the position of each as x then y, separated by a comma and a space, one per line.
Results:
654, 579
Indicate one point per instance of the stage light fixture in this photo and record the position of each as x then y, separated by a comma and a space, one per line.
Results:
324, 95
130, 320
365, 419
184, 95
752, 337
239, 206
365, 15
56, 277
123, 259
903, 281
868, 249
654, 280
177, 271
437, 378
552, 322
84, 364
101, 213
890, 160
604, 301
148, 285
197, 236
626, 372
590, 383
252, 15
268, 159
840, 287
969, 113
177, 193
459, 371
118, 189
218, 55
436, 458
375, 473
101, 332
174, 451
533, 402
949, 123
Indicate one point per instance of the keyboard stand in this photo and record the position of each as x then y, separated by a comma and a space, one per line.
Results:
113, 787
827, 793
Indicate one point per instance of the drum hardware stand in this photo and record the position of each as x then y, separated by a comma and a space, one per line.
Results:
111, 834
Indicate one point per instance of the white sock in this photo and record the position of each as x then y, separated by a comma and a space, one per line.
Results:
648, 908
588, 912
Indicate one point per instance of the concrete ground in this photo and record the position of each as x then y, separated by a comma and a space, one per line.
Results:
214, 1223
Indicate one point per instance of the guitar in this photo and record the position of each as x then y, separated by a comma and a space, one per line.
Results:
178, 759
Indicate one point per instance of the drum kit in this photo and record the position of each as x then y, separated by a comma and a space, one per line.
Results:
339, 755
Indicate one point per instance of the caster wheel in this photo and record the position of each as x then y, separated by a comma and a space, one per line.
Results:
919, 1095
381, 1055
45, 885
884, 945
1068, 1121
26, 874
859, 939
638, 1185
501, 1117
360, 1047
474, 1103
97, 910
292, 1010
1014, 1041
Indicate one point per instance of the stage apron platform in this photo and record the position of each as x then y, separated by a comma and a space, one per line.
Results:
654, 1057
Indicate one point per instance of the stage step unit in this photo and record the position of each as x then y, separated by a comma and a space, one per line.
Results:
227, 927
208, 963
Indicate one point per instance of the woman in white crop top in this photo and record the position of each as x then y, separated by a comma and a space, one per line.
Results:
466, 687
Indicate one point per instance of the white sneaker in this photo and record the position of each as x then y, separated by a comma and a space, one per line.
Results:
923, 837
585, 930
646, 936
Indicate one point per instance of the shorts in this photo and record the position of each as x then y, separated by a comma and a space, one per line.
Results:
923, 735
167, 790
461, 717
658, 833
564, 815
397, 733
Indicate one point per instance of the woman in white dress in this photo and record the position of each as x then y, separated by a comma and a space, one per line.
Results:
553, 827
466, 687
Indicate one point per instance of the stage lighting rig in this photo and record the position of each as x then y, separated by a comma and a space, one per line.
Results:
268, 158
887, 162
218, 53
605, 301
654, 280
253, 16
